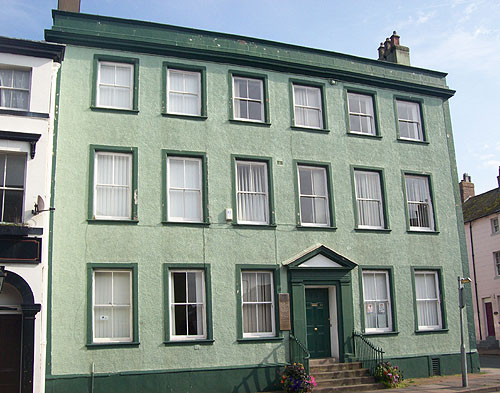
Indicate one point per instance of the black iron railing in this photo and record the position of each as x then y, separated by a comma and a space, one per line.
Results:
367, 353
299, 352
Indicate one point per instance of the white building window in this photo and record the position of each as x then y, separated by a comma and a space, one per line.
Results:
369, 199
257, 298
184, 92
361, 113
112, 185
115, 84
313, 196
420, 212
308, 111
496, 258
184, 189
377, 301
410, 121
12, 174
187, 305
112, 306
428, 300
14, 88
495, 228
248, 99
252, 196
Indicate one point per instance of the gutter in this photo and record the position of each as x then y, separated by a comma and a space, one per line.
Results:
475, 281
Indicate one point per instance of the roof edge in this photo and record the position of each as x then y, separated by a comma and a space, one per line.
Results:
41, 49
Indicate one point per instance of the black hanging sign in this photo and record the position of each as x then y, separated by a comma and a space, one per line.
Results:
20, 250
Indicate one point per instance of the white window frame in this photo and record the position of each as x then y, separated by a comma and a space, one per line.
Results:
94, 305
17, 88
184, 189
437, 300
184, 93
496, 261
5, 188
319, 109
237, 98
362, 114
428, 203
380, 201
96, 171
172, 304
272, 333
266, 191
388, 311
418, 122
314, 196
99, 84
495, 226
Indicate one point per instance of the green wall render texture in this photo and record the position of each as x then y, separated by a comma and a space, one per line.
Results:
150, 244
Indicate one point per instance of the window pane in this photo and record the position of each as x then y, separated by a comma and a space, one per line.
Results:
241, 109
121, 288
104, 168
15, 171
176, 102
355, 123
103, 288
249, 282
179, 287
106, 95
176, 171
305, 180
264, 287
192, 205
369, 286
319, 181
122, 170
193, 174
194, 320
180, 320
121, 322
300, 95
240, 88
107, 74
255, 89
6, 77
314, 97
13, 206
321, 210
306, 210
19, 99
103, 322
381, 286
122, 97
191, 105
123, 76
2, 168
191, 82
255, 110
313, 118
264, 318
191, 282
249, 318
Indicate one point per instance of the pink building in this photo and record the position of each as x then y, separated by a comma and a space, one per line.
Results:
482, 233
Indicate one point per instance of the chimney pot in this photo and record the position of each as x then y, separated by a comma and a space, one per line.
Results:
68, 5
394, 51
395, 38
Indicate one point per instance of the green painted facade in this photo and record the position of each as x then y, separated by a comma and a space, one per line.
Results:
151, 244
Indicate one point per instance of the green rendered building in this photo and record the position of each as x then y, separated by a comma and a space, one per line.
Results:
223, 202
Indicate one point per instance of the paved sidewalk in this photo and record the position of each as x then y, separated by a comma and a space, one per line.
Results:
486, 381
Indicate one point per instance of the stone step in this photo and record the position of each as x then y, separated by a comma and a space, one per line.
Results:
322, 361
345, 381
335, 368
351, 388
335, 373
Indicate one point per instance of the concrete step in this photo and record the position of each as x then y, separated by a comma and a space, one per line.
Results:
350, 388
320, 375
345, 381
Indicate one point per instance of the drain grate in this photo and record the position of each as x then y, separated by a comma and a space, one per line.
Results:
436, 366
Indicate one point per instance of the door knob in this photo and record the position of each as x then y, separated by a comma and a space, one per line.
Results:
315, 329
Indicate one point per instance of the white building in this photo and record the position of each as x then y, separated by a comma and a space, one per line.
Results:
482, 233
28, 83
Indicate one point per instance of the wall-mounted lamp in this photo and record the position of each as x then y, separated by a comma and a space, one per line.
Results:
3, 274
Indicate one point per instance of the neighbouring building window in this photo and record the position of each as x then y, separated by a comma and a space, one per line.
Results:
252, 192
377, 301
187, 304
428, 300
495, 228
112, 185
496, 257
12, 174
115, 84
184, 92
410, 120
112, 306
257, 298
184, 189
420, 211
248, 99
361, 113
307, 103
369, 201
313, 196
14, 88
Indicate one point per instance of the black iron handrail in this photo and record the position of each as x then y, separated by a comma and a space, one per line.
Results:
299, 352
368, 354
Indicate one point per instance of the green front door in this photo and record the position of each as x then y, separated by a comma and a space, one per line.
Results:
318, 322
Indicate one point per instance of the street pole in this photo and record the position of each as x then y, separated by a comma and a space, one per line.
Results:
461, 305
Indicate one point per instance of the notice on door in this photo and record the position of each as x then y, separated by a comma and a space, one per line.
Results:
284, 309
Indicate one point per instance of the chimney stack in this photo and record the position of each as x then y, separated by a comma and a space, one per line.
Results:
68, 5
466, 188
392, 51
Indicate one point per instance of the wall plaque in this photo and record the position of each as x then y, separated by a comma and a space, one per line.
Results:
284, 309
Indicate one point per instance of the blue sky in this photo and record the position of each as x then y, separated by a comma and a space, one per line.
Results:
459, 37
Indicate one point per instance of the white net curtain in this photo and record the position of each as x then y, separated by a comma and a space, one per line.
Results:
257, 302
14, 89
369, 199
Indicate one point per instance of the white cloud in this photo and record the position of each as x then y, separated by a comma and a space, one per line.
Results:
492, 164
